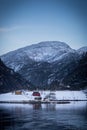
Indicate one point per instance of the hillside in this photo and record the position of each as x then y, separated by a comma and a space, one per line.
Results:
10, 81
78, 78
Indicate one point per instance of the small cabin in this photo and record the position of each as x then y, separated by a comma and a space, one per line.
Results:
18, 92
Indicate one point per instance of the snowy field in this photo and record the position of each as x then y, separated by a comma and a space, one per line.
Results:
27, 96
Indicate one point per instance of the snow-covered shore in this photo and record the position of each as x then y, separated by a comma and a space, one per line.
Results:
27, 96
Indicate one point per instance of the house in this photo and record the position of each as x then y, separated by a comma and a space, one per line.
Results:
36, 95
18, 92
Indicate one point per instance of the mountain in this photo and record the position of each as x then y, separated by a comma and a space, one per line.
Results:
42, 52
78, 78
82, 50
45, 65
10, 81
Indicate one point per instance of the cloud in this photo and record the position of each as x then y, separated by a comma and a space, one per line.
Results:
2, 30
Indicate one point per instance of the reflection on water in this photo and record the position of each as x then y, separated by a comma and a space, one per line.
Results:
37, 106
51, 107
71, 116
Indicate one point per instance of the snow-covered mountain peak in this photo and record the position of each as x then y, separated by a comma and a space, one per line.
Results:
52, 43
48, 51
82, 50
43, 51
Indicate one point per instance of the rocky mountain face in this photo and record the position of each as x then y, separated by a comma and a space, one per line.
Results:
10, 81
78, 78
46, 65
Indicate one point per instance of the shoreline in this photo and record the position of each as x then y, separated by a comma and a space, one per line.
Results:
44, 97
42, 102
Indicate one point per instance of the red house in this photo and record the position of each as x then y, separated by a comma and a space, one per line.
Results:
36, 94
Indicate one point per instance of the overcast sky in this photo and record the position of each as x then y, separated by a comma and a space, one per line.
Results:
26, 22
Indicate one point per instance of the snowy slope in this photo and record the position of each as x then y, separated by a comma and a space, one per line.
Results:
70, 95
12, 97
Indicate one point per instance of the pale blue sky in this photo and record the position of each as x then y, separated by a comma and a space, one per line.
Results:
26, 22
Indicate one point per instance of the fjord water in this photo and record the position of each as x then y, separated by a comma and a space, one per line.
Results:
71, 116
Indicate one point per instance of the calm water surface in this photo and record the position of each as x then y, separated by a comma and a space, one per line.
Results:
71, 116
